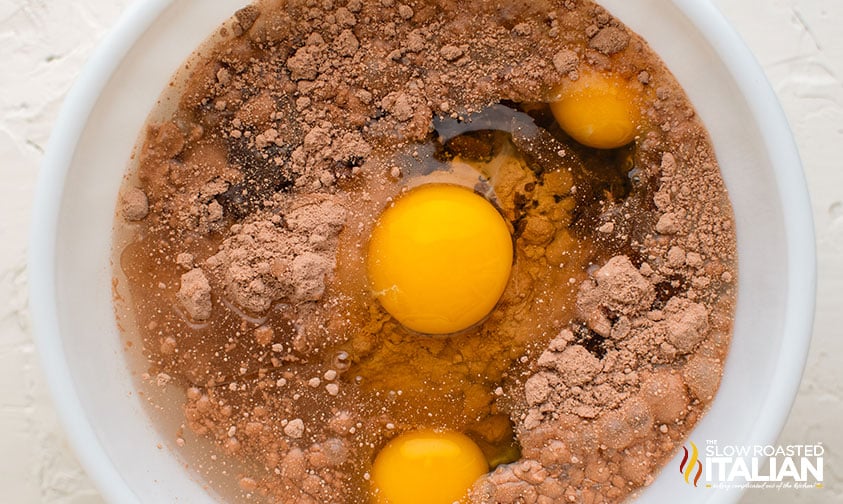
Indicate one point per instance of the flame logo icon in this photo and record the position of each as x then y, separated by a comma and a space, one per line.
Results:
687, 466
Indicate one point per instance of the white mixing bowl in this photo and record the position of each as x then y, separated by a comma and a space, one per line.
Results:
70, 271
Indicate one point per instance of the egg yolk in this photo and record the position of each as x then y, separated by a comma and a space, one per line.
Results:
598, 110
439, 258
426, 467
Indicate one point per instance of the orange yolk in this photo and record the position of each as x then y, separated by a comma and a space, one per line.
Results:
598, 110
426, 467
439, 258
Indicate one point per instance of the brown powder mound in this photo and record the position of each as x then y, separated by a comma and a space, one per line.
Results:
287, 255
616, 289
252, 264
575, 365
566, 61
134, 204
610, 40
524, 481
686, 323
195, 295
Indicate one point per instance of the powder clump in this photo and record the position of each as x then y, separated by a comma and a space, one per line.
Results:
286, 255
135, 205
195, 294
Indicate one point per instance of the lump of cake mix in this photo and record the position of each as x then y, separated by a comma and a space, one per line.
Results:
617, 288
195, 294
288, 253
134, 204
686, 323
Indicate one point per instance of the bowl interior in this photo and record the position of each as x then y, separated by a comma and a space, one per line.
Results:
72, 281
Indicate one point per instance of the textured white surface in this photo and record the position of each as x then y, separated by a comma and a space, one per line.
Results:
43, 45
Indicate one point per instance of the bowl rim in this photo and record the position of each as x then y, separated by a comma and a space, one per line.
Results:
798, 220
765, 109
43, 302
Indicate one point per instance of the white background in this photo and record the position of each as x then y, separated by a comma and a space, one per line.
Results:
44, 44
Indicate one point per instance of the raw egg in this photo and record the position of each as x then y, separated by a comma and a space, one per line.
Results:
439, 258
598, 110
426, 467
